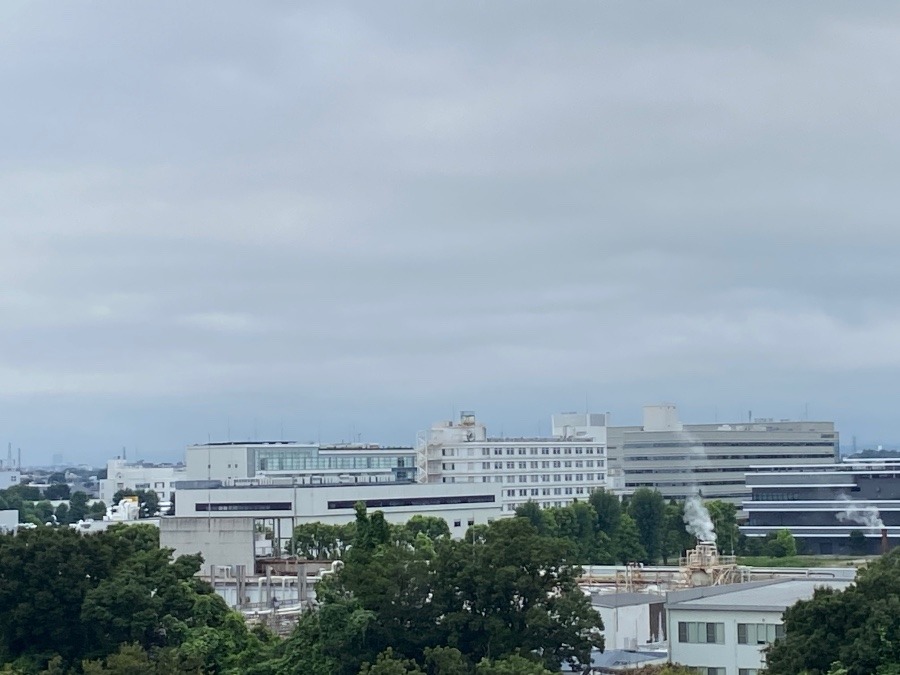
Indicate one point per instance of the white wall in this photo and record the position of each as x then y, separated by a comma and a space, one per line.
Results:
8, 478
622, 626
221, 541
729, 655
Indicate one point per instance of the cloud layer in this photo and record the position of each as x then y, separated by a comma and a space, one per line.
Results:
350, 220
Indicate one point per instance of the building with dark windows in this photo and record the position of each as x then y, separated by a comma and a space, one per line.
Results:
823, 504
681, 460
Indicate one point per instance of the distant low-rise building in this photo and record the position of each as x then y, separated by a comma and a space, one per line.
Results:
124, 475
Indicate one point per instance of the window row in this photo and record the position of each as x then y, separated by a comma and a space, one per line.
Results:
714, 633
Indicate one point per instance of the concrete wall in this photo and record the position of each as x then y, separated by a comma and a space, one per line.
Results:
221, 541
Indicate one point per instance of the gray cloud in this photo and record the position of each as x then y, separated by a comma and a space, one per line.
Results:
364, 216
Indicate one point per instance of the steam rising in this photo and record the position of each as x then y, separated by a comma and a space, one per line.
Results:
697, 520
696, 517
861, 514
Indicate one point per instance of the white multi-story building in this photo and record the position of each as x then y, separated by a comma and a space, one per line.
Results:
681, 460
724, 630
551, 471
122, 475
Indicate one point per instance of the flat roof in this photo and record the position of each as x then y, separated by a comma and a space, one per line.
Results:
773, 597
625, 599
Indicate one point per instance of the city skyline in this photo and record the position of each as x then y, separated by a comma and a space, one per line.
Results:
356, 219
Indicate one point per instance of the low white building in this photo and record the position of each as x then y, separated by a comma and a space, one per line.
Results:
724, 630
9, 478
552, 471
123, 475
220, 521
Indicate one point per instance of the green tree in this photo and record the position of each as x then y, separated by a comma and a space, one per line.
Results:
506, 589
431, 526
388, 663
57, 491
858, 542
782, 545
648, 509
853, 631
677, 539
724, 517
541, 519
512, 665
628, 542
78, 506
609, 511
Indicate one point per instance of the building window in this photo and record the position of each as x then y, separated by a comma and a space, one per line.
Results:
471, 522
457, 523
485, 465
759, 633
510, 493
509, 451
748, 671
712, 671
523, 493
568, 465
545, 451
498, 465
701, 632
521, 451
523, 465
498, 451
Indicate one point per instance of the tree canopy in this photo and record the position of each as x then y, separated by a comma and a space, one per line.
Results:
854, 631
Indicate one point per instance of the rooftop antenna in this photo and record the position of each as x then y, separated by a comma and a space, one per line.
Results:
124, 452
20, 459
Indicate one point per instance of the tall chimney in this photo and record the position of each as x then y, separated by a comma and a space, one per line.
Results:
884, 541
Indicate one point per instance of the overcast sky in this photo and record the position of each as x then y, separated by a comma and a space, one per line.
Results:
250, 220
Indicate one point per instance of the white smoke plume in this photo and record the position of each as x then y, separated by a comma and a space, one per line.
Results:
697, 520
861, 514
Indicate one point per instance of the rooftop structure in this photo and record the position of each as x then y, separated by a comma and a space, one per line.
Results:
681, 460
303, 462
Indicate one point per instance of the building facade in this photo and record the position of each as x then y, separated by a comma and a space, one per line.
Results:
123, 475
551, 471
206, 510
681, 460
724, 630
822, 504
304, 463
